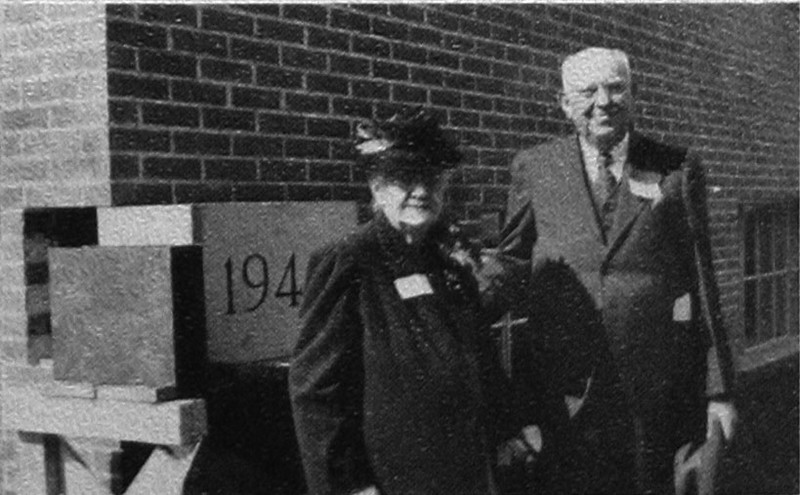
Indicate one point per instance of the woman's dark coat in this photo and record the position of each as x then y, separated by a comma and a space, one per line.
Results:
391, 391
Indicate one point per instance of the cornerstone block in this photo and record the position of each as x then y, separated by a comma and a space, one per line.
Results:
254, 259
128, 316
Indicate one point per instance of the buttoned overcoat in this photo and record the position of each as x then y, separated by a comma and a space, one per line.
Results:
627, 320
389, 383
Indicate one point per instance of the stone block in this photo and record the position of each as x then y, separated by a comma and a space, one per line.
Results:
11, 299
254, 262
26, 169
10, 197
23, 13
96, 194
76, 58
24, 376
31, 459
9, 39
12, 350
146, 226
133, 393
81, 11
67, 389
14, 323
54, 195
11, 142
11, 223
128, 315
11, 91
52, 142
71, 114
10, 245
13, 274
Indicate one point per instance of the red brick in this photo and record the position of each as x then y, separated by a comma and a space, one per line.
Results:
349, 20
279, 31
170, 14
217, 20
134, 34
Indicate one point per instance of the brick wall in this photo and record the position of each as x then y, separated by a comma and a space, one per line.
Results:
148, 104
221, 103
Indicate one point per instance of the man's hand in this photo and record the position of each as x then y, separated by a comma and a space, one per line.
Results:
533, 437
522, 448
370, 490
725, 413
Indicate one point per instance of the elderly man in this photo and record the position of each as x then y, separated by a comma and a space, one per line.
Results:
623, 305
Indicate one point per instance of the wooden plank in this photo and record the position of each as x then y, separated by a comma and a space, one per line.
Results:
80, 475
32, 474
179, 422
164, 471
136, 393
75, 390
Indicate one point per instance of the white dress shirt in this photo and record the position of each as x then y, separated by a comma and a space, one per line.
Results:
591, 158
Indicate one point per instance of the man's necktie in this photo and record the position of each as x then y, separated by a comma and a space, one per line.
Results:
607, 186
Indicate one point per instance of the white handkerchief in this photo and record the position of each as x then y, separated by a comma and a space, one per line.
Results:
648, 189
413, 286
682, 309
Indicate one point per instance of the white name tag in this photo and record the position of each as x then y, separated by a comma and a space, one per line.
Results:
682, 309
646, 189
413, 286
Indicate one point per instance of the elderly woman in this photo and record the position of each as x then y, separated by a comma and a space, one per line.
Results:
390, 372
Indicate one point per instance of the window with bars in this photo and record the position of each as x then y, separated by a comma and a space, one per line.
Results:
770, 238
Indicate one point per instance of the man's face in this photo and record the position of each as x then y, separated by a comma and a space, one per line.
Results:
597, 98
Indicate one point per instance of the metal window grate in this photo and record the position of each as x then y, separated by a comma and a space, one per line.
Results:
770, 281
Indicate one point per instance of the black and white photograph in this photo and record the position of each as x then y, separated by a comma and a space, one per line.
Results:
399, 248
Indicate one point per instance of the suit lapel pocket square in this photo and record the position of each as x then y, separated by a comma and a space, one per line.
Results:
646, 186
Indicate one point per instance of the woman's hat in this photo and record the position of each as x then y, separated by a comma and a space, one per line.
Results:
410, 143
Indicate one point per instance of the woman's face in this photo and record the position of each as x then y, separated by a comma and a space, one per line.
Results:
410, 205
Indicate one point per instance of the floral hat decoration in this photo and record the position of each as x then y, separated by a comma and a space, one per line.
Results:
407, 143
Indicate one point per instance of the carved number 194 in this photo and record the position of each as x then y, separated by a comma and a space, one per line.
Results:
255, 275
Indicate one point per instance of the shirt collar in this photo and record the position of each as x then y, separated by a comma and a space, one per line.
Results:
591, 155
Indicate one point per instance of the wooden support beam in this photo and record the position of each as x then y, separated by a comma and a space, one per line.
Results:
179, 422
32, 474
164, 471
83, 474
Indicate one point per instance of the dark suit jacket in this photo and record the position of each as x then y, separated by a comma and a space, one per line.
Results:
623, 308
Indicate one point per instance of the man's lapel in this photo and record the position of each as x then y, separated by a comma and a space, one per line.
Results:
576, 195
629, 206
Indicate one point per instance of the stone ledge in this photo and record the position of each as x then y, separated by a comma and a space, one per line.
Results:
179, 422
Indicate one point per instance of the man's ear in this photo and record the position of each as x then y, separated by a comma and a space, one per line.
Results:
375, 184
563, 101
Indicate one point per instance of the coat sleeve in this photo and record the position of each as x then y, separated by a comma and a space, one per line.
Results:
720, 373
326, 378
507, 287
505, 272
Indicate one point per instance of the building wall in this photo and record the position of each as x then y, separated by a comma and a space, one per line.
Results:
54, 152
156, 104
258, 103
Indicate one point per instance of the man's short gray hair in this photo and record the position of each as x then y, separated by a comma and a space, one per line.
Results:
596, 53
